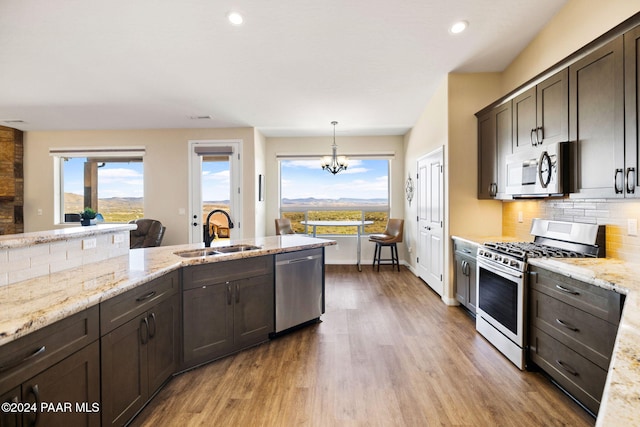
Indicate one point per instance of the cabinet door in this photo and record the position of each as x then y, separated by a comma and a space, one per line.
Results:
70, 390
632, 112
552, 103
207, 322
504, 137
253, 310
524, 120
596, 85
487, 156
10, 419
163, 348
462, 281
473, 293
124, 371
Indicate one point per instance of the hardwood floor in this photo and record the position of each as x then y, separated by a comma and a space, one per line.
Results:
387, 353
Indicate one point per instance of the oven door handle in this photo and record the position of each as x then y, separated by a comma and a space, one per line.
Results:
499, 270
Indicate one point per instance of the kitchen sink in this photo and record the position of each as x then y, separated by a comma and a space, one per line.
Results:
235, 248
217, 251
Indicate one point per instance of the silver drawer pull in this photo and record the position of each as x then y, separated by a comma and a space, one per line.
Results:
572, 328
567, 368
21, 360
567, 290
147, 296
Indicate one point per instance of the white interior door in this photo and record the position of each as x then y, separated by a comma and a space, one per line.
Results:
430, 263
214, 168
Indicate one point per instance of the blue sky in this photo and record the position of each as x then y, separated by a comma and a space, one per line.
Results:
114, 179
363, 179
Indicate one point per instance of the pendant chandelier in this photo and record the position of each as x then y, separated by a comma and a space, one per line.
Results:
334, 163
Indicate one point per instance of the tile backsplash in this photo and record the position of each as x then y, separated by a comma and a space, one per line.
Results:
615, 214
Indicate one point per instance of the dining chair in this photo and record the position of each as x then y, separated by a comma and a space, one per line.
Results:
391, 236
283, 226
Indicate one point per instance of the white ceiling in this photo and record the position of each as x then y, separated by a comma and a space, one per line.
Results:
289, 70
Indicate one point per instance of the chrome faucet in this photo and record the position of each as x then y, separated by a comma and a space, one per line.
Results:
207, 234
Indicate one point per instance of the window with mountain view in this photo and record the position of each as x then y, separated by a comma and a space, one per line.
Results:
360, 193
111, 185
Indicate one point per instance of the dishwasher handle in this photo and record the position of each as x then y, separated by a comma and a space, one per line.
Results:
297, 260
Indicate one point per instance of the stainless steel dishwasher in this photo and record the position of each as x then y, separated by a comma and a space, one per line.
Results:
299, 287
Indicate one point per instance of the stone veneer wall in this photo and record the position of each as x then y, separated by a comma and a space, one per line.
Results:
24, 263
612, 213
11, 181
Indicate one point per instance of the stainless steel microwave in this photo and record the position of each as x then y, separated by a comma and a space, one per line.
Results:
540, 172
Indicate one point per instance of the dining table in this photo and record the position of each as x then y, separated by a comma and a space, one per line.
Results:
332, 223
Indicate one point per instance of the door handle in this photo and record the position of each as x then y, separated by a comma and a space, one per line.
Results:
533, 143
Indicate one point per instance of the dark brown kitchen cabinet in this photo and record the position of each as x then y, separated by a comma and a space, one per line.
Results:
59, 365
226, 307
465, 274
139, 346
572, 331
596, 105
494, 144
69, 391
541, 114
632, 112
8, 418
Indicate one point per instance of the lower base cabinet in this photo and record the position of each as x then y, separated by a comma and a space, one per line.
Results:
226, 308
572, 332
465, 274
53, 375
139, 355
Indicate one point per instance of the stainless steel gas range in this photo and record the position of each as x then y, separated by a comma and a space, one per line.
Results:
501, 278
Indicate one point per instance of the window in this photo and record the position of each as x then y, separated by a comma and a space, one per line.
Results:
109, 181
360, 193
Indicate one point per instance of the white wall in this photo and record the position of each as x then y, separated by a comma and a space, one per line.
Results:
165, 173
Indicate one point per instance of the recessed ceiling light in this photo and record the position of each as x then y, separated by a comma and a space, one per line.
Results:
458, 27
235, 18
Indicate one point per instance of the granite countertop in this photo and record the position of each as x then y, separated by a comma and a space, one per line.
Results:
60, 234
33, 304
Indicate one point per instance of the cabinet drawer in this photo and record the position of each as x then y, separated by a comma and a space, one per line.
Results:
122, 308
33, 353
599, 302
588, 335
205, 274
581, 378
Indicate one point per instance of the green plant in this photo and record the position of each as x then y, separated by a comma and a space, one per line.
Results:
88, 213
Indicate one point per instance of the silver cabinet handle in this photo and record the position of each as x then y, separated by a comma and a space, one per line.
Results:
567, 368
630, 189
571, 328
617, 189
567, 290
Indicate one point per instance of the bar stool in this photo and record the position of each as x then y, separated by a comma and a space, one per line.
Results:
391, 236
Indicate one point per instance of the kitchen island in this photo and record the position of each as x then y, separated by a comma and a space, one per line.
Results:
32, 304
106, 334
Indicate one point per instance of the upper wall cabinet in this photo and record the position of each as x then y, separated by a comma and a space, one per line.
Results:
632, 112
596, 105
541, 114
494, 143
